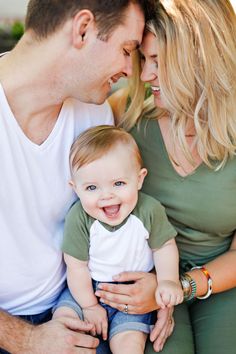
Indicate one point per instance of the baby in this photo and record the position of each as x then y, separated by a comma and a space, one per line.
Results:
115, 228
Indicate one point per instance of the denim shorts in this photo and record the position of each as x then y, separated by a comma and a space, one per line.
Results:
117, 321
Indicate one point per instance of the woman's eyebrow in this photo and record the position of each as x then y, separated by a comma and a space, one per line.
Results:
152, 56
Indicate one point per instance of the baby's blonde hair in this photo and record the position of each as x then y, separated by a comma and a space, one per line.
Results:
95, 142
197, 75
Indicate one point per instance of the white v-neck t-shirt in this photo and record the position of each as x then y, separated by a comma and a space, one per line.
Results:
34, 199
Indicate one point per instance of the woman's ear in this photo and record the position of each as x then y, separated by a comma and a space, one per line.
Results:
83, 21
142, 174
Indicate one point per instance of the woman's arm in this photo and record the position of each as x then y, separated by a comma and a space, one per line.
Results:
221, 270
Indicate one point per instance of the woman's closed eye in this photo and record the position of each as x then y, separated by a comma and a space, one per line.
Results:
142, 59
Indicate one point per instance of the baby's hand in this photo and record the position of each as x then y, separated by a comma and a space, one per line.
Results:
168, 293
97, 315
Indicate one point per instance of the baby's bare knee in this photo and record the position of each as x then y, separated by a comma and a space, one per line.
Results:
130, 342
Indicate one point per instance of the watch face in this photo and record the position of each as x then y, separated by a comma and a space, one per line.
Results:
185, 283
186, 287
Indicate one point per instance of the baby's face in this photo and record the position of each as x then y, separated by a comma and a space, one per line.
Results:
108, 187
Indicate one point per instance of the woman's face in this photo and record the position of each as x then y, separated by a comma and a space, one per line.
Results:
149, 61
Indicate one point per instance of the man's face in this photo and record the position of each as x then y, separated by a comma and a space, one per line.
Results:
105, 62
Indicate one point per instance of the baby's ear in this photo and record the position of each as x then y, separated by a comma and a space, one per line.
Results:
71, 184
142, 174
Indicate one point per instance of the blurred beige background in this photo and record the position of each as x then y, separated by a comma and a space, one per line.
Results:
13, 8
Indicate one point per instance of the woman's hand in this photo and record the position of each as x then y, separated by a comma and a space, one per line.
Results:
139, 296
163, 328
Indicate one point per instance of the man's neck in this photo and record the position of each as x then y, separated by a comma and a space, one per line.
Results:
31, 92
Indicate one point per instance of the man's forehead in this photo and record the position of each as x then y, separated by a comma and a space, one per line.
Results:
133, 25
135, 15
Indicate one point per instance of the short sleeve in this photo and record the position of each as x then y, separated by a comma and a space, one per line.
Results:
154, 218
76, 233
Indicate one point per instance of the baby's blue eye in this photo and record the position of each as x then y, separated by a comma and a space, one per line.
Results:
91, 188
119, 183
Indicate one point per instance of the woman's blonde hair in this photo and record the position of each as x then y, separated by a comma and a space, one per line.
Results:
95, 142
197, 75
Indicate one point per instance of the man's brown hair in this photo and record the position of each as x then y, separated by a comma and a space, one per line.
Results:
45, 16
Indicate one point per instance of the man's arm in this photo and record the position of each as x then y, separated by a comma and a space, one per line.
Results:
54, 337
14, 333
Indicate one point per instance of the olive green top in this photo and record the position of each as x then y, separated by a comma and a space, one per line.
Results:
201, 206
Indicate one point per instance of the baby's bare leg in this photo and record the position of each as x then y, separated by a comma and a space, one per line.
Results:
130, 342
64, 311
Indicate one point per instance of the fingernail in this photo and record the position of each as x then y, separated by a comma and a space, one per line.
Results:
97, 293
116, 277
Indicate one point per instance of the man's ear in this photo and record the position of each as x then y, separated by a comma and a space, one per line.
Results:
142, 174
83, 21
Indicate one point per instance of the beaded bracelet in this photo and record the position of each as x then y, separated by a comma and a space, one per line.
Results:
189, 286
209, 282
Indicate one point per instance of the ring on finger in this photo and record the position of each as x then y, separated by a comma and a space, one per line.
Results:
126, 308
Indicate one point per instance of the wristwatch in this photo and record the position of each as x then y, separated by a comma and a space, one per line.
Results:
189, 286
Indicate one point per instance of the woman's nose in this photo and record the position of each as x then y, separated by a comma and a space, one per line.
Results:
148, 74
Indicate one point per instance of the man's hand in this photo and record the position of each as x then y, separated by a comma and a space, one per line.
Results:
139, 296
59, 336
97, 315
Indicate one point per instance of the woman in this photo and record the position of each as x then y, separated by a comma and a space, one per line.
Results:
187, 134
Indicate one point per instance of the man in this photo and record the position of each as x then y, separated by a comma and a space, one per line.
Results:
69, 57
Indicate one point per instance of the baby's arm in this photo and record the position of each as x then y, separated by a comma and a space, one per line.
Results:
80, 285
169, 291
